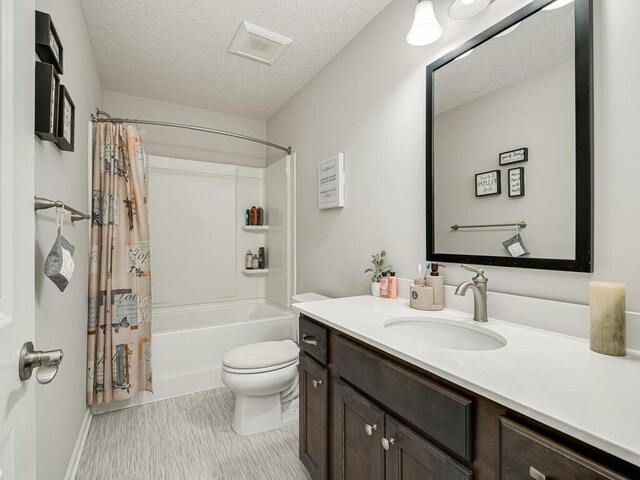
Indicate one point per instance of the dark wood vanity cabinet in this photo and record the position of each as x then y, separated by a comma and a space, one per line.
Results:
367, 415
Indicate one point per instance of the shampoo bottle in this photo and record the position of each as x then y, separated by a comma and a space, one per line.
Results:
393, 286
255, 263
248, 260
247, 215
261, 258
260, 216
254, 216
384, 286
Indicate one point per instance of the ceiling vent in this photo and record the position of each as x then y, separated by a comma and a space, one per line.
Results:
258, 44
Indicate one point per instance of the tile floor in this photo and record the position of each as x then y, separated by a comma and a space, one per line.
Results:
187, 438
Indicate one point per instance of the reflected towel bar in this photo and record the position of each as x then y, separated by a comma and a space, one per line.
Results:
44, 203
514, 225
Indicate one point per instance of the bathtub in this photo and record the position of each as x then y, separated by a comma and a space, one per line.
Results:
188, 344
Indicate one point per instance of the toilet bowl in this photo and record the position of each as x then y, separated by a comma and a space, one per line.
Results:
264, 379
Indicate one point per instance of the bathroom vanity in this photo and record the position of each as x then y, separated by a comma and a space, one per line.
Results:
380, 399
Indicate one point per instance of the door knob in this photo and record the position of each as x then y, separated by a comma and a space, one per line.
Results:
46, 362
387, 443
370, 428
536, 475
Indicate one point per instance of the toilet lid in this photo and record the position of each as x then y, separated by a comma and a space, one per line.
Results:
261, 355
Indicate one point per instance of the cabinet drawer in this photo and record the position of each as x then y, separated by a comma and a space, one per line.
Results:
525, 454
442, 414
313, 339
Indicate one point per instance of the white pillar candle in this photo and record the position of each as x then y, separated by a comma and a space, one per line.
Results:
608, 324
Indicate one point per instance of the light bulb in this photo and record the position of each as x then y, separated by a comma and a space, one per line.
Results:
508, 30
557, 4
425, 28
465, 54
462, 9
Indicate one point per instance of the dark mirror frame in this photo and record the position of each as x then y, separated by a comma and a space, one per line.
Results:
583, 261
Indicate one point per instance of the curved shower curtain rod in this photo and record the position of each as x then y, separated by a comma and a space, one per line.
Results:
109, 119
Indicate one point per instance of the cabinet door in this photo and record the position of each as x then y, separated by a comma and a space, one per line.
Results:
358, 428
411, 457
314, 417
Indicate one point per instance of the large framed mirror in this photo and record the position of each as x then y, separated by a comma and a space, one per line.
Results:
510, 143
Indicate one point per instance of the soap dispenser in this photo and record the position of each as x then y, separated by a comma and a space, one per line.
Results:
437, 283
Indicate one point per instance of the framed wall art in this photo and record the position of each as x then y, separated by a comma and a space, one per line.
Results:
514, 156
516, 182
66, 120
488, 183
46, 102
331, 182
48, 45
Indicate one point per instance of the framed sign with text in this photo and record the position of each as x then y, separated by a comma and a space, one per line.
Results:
331, 182
514, 156
488, 183
516, 182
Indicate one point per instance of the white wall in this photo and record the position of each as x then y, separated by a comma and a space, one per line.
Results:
369, 102
172, 142
469, 138
61, 318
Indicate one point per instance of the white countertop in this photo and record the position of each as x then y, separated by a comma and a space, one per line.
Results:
552, 378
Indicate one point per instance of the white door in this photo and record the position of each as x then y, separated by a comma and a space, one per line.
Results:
17, 407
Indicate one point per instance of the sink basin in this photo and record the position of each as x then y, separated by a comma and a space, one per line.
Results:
445, 333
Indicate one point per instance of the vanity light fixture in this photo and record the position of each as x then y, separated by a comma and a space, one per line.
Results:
509, 30
425, 29
557, 4
463, 9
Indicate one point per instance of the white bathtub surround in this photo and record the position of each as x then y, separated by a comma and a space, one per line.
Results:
555, 379
189, 342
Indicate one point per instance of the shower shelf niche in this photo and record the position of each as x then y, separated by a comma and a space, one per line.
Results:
255, 228
255, 271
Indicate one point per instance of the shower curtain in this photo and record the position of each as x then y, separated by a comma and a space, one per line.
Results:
119, 326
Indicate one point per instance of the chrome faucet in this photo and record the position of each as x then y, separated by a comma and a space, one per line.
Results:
478, 286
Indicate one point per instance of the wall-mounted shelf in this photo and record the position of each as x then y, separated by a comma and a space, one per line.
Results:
255, 271
255, 228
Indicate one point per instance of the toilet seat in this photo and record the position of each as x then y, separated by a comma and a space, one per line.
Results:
260, 357
249, 371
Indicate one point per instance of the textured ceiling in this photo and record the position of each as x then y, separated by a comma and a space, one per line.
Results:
176, 51
542, 41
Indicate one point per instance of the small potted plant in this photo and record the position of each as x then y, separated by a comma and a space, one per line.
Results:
379, 269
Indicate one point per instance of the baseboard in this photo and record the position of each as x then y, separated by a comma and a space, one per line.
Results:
74, 461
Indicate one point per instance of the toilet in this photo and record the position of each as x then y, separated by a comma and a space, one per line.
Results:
264, 378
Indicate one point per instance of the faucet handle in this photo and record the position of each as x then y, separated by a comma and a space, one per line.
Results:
478, 271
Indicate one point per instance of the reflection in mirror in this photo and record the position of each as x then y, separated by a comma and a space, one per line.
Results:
504, 143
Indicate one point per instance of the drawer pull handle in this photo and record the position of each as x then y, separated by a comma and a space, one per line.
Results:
309, 340
387, 443
370, 428
317, 383
536, 475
